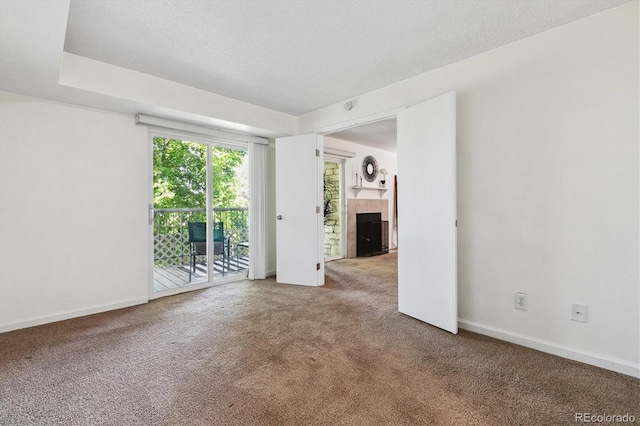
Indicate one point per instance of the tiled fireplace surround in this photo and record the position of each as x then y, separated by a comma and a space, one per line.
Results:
355, 206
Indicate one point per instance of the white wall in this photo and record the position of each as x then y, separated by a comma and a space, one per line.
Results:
73, 211
386, 160
547, 184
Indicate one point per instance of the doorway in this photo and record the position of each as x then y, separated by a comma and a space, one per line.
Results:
375, 141
200, 220
427, 247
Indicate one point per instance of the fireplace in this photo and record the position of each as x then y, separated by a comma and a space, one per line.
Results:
361, 205
372, 234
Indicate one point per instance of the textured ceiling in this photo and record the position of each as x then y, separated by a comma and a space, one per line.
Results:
298, 56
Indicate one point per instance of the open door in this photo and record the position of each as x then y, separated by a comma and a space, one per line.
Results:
299, 221
427, 248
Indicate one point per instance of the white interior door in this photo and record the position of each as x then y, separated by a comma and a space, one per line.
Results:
427, 249
299, 221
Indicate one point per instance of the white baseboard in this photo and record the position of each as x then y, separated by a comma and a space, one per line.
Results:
64, 315
602, 361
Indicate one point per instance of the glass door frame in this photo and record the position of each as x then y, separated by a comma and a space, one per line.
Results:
210, 143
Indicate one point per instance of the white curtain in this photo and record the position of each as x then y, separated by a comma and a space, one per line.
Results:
257, 211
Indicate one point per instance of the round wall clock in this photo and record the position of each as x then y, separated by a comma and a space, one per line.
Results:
369, 168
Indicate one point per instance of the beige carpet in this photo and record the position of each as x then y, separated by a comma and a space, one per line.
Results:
259, 353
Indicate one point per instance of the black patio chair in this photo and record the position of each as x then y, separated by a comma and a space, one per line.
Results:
198, 244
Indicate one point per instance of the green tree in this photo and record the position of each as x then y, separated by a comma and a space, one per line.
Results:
180, 172
226, 183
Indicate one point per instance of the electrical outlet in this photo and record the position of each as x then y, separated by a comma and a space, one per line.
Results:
521, 302
579, 312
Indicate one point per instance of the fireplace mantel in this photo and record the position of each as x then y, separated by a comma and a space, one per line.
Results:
358, 188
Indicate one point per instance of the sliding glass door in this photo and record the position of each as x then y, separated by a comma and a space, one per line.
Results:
231, 209
200, 214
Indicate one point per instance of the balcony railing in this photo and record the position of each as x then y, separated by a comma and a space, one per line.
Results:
171, 234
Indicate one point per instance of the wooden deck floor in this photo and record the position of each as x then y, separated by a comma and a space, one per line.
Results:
178, 276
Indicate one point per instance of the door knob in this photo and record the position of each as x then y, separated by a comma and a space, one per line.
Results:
279, 217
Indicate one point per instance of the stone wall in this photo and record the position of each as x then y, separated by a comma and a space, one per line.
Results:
332, 218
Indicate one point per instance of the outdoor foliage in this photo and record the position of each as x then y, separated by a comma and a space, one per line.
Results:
180, 171
179, 182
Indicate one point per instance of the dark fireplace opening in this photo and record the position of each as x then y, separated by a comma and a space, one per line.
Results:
372, 234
